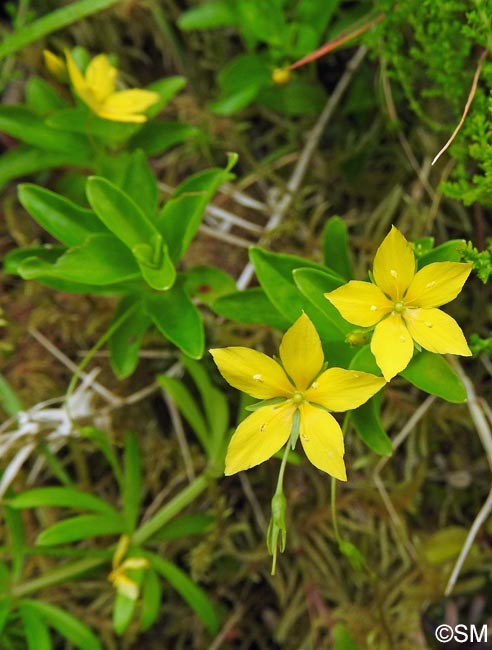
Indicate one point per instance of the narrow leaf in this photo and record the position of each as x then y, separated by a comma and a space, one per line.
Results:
81, 527
132, 488
61, 497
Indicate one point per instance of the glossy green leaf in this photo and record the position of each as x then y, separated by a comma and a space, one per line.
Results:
65, 624
336, 249
140, 184
35, 631
151, 599
433, 374
188, 407
132, 487
207, 283
9, 401
125, 341
81, 527
123, 611
156, 137
100, 260
166, 88
64, 220
61, 497
450, 251
181, 216
41, 97
208, 16
249, 306
189, 591
13, 261
23, 124
124, 218
367, 423
177, 318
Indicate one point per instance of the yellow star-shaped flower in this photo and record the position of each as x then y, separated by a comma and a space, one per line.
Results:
401, 304
97, 89
304, 388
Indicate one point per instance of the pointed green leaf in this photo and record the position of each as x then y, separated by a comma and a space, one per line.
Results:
132, 487
184, 527
207, 283
166, 89
177, 318
123, 611
41, 97
450, 251
156, 137
433, 374
367, 422
81, 527
5, 608
100, 260
208, 16
250, 306
151, 599
82, 120
9, 401
181, 216
125, 341
335, 248
61, 497
190, 592
34, 628
64, 220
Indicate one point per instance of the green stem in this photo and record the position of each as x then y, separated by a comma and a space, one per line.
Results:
171, 509
333, 496
283, 465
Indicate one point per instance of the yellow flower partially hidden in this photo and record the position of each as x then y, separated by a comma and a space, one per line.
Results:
401, 304
55, 65
305, 389
118, 576
97, 89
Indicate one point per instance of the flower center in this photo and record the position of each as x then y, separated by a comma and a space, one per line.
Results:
398, 307
297, 398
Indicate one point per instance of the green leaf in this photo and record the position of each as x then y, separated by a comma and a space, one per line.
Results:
207, 283
235, 101
156, 137
140, 184
132, 487
23, 124
250, 306
63, 497
123, 612
9, 401
5, 607
187, 405
34, 628
65, 624
241, 80
51, 22
298, 97
433, 374
151, 599
177, 318
181, 216
100, 260
25, 160
450, 251
125, 341
17, 539
367, 422
208, 16
335, 248
184, 527
342, 639
125, 219
166, 89
82, 120
14, 259
81, 527
41, 97
64, 220
189, 591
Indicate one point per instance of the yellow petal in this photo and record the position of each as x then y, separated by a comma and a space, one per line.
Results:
128, 105
135, 563
301, 352
79, 83
252, 372
322, 440
436, 284
55, 65
101, 77
394, 265
436, 331
392, 346
259, 436
126, 586
341, 390
360, 303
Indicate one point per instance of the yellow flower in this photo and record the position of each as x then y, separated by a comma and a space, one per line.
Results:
97, 89
55, 65
118, 577
303, 388
402, 305
281, 76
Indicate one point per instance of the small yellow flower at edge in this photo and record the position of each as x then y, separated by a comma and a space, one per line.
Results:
401, 304
281, 76
304, 388
97, 89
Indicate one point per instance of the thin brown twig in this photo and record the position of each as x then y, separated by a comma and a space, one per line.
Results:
471, 95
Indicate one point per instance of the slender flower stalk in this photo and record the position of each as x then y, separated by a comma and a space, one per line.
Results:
299, 394
402, 304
